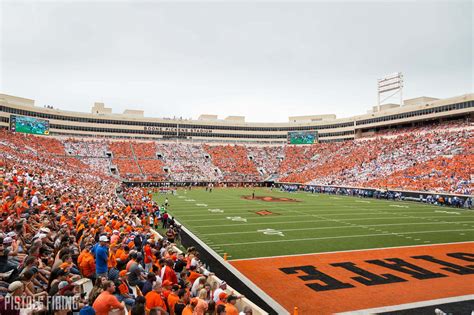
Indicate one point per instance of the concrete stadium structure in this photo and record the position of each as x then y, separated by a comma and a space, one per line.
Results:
208, 128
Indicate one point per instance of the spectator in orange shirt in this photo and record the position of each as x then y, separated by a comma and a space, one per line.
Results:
86, 262
193, 275
222, 298
201, 306
173, 298
230, 305
124, 291
112, 262
106, 301
154, 298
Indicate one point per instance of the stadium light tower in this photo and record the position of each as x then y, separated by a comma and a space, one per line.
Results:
391, 83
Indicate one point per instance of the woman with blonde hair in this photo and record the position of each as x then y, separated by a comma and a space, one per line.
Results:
202, 305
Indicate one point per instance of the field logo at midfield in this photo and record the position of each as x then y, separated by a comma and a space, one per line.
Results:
240, 219
270, 199
265, 212
271, 232
216, 210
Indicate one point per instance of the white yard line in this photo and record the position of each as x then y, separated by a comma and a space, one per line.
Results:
328, 227
307, 221
337, 237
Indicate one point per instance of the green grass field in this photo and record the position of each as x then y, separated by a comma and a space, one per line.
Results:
317, 223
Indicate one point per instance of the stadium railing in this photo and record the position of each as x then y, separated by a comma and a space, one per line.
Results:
409, 195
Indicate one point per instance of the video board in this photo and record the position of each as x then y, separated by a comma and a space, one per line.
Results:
302, 137
29, 125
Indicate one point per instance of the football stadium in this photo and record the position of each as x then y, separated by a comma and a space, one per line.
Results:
112, 210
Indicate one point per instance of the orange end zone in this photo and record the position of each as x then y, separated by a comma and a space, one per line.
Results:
329, 283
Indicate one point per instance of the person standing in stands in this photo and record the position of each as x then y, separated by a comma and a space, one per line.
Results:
170, 234
101, 253
165, 220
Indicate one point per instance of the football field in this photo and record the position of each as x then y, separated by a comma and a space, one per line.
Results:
278, 223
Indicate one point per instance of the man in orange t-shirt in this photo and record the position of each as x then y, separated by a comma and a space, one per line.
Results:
230, 308
173, 298
154, 298
106, 301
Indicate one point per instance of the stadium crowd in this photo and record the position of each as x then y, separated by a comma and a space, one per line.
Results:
61, 226
436, 158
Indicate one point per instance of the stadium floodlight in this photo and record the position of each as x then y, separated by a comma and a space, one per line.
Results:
390, 83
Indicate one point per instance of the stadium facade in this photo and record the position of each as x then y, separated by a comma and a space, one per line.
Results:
207, 128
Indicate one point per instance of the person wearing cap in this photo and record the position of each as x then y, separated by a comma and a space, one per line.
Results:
154, 298
124, 291
101, 257
222, 287
166, 285
230, 305
35, 200
106, 301
222, 298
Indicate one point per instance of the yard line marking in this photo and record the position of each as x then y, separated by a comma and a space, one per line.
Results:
301, 214
215, 210
271, 232
449, 212
239, 219
327, 227
284, 222
335, 237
